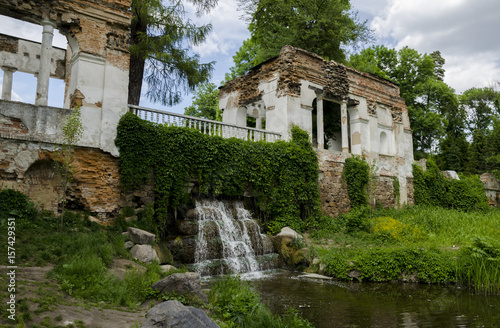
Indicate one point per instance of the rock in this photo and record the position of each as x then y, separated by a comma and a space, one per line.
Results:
187, 284
451, 175
314, 276
287, 232
131, 218
167, 268
142, 237
187, 227
128, 245
144, 253
172, 314
355, 274
119, 267
163, 253
94, 219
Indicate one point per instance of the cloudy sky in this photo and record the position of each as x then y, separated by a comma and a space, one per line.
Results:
465, 31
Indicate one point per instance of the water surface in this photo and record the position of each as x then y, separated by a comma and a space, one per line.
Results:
330, 304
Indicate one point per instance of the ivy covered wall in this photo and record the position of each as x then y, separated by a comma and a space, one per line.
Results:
281, 176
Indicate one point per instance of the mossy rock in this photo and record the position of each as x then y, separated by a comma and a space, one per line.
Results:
164, 254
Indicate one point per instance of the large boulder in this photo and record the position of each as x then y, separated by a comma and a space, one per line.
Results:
144, 253
288, 233
163, 253
139, 236
187, 284
172, 314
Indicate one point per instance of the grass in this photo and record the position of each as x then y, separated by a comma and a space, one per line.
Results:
236, 305
425, 244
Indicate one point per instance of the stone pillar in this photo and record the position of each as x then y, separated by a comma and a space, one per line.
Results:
320, 128
258, 124
345, 130
42, 85
7, 82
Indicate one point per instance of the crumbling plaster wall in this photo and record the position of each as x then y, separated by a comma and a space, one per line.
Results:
97, 58
379, 126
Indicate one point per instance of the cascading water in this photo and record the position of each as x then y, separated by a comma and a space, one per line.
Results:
229, 241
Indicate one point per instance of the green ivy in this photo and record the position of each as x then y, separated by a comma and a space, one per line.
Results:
356, 174
283, 176
431, 187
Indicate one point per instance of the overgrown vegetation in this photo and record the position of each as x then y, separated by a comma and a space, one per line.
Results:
283, 176
238, 306
434, 189
356, 174
424, 244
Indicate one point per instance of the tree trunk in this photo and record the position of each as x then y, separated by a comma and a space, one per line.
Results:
136, 71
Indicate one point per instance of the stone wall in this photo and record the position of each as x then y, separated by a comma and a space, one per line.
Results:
333, 190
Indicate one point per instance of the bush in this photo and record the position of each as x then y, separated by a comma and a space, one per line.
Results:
389, 229
356, 174
357, 219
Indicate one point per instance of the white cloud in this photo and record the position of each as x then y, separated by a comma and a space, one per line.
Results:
228, 29
464, 31
29, 31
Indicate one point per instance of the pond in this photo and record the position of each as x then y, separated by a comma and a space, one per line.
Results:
328, 303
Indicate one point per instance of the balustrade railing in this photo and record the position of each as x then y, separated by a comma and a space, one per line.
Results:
210, 127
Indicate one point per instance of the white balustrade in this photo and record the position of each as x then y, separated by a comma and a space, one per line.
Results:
210, 127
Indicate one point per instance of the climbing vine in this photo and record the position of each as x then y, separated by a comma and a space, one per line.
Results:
283, 176
431, 187
356, 174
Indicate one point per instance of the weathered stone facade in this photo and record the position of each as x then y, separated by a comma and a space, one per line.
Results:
370, 118
97, 59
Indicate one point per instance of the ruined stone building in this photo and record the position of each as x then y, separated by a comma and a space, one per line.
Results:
346, 112
94, 68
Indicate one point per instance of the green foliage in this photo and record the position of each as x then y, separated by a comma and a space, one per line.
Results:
205, 102
72, 133
159, 52
234, 302
431, 103
245, 58
16, 204
358, 219
283, 176
432, 188
322, 27
392, 230
479, 266
356, 174
388, 264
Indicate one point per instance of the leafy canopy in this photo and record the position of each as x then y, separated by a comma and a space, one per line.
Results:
161, 37
205, 102
324, 27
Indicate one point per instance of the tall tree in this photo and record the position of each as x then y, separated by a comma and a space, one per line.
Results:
324, 27
205, 102
159, 53
430, 101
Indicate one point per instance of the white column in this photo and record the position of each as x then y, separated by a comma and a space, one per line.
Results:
320, 129
258, 123
7, 82
42, 85
345, 130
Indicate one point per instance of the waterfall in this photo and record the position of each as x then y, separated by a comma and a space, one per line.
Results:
229, 240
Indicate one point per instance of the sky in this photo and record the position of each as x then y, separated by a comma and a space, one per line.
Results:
465, 31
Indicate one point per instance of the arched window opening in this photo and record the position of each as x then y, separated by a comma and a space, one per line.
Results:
384, 143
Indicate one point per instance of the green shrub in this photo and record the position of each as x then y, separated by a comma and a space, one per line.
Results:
389, 229
356, 174
357, 219
432, 188
15, 203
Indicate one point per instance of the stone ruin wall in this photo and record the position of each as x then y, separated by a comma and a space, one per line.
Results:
333, 190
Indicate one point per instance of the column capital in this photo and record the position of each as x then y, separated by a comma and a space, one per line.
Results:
8, 69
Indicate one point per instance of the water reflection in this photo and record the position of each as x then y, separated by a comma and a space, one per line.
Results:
337, 304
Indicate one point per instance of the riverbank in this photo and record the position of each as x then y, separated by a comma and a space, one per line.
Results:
414, 244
